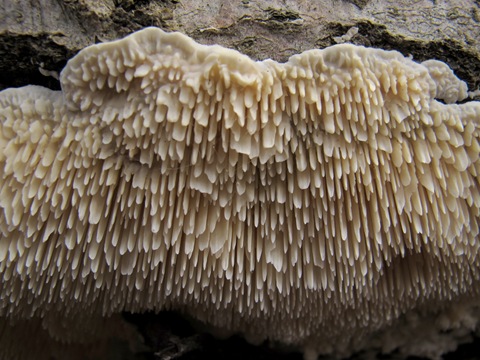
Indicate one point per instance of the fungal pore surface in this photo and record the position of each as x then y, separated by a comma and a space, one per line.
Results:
330, 202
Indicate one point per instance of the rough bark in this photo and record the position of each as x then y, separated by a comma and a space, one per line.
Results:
44, 34
37, 37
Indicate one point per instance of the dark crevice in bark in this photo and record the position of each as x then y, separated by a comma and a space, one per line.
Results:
465, 63
23, 56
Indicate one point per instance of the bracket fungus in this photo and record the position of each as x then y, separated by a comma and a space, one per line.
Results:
322, 203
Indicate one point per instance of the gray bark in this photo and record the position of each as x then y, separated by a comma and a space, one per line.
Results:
45, 33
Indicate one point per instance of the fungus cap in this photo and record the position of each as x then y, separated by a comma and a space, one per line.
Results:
314, 203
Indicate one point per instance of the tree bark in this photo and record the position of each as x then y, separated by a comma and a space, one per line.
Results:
44, 34
37, 37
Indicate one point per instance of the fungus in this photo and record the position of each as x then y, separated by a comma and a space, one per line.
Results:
318, 203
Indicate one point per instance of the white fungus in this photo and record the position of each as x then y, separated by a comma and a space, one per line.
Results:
316, 203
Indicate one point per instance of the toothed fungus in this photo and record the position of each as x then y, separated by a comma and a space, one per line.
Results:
317, 202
